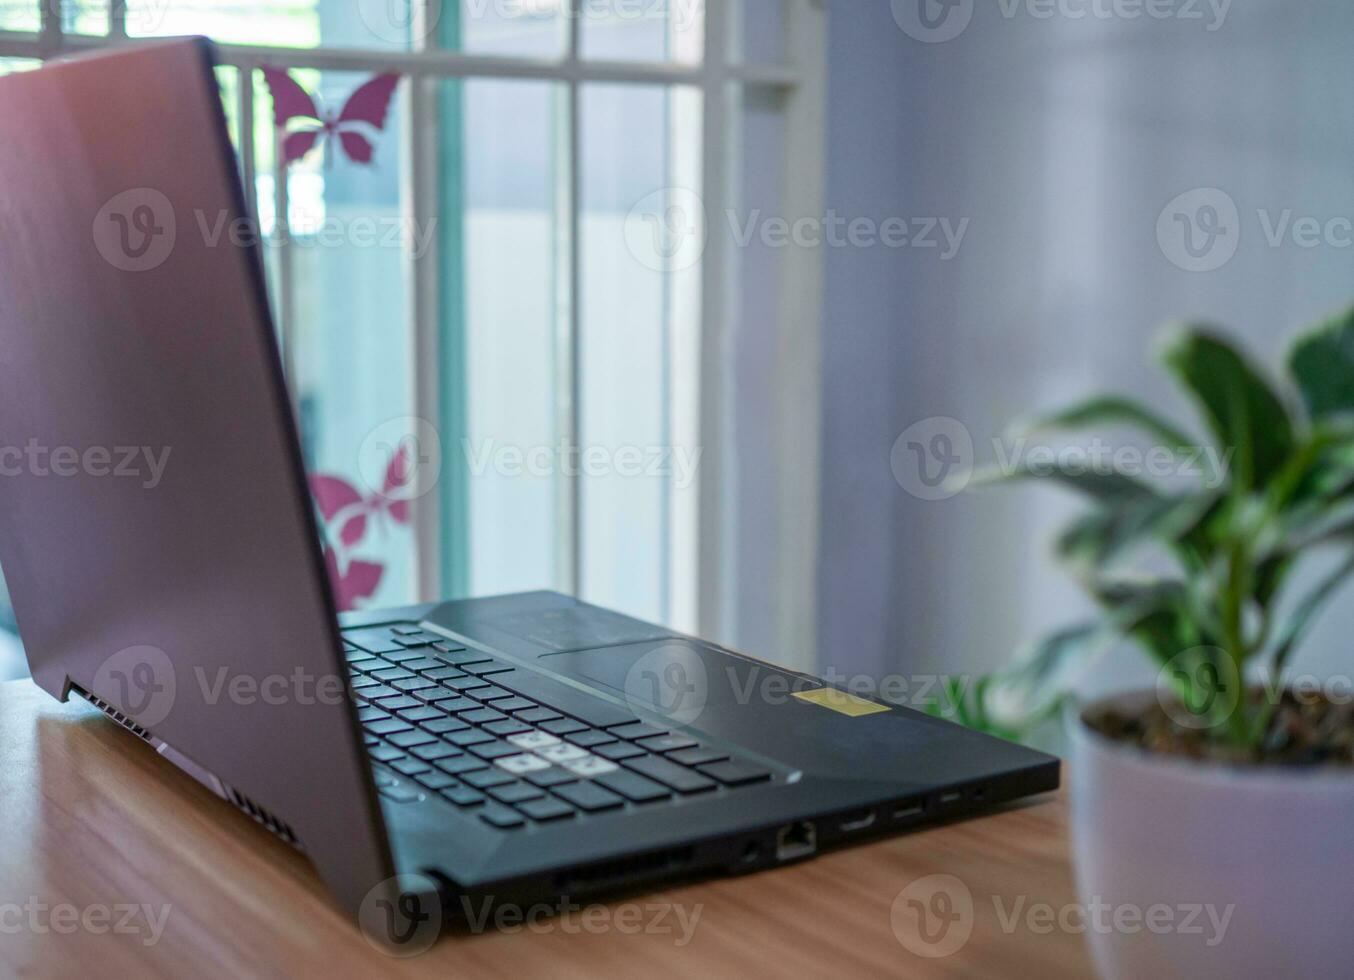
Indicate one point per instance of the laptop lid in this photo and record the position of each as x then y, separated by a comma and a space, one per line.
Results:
155, 528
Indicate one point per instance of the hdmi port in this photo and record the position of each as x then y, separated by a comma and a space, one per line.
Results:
857, 822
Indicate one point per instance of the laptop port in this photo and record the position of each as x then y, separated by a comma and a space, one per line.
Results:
950, 798
796, 840
856, 822
909, 810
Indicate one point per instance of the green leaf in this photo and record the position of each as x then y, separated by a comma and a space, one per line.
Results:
1106, 534
1322, 364
1295, 626
1034, 685
1110, 410
1162, 617
1241, 409
1103, 485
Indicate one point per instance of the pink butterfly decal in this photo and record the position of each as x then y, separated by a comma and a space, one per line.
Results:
296, 113
347, 516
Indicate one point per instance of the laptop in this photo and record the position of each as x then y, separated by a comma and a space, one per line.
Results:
164, 561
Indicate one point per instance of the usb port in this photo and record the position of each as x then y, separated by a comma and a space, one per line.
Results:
857, 822
950, 798
909, 810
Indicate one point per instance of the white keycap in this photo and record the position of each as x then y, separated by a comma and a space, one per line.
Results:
562, 753
520, 765
591, 766
533, 740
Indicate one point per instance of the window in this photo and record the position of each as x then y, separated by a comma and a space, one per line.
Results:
527, 291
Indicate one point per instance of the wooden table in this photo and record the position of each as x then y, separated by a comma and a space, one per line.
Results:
93, 823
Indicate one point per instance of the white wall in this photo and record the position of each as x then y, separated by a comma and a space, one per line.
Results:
1061, 140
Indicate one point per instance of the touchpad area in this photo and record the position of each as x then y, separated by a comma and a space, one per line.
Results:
677, 678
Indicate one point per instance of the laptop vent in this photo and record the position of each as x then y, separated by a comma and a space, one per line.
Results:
262, 816
112, 712
601, 875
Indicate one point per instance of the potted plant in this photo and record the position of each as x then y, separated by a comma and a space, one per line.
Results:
1211, 815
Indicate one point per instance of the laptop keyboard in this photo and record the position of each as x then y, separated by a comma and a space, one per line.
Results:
512, 746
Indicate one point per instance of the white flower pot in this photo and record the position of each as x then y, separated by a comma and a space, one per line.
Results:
1265, 855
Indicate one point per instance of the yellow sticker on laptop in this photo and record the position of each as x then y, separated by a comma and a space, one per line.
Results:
841, 702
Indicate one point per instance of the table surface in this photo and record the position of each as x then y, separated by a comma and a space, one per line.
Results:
93, 823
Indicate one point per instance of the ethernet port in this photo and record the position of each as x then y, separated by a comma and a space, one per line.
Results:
796, 840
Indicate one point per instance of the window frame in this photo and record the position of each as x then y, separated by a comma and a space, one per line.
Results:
701, 562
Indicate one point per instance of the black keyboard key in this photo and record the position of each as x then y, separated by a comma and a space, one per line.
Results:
465, 683
402, 656
414, 684
410, 767
435, 751
513, 703
516, 793
492, 693
487, 778
407, 740
422, 713
463, 795
406, 630
668, 743
633, 786
377, 640
698, 756
493, 667
391, 674
469, 737
417, 640
509, 726
534, 716
589, 796
397, 702
458, 765
553, 776
562, 726
482, 716
436, 780
388, 726
460, 656
590, 737
618, 751
494, 750
379, 691
546, 809
386, 753
424, 663
442, 725
736, 773
668, 773
501, 817
370, 714
360, 683
637, 730
456, 702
